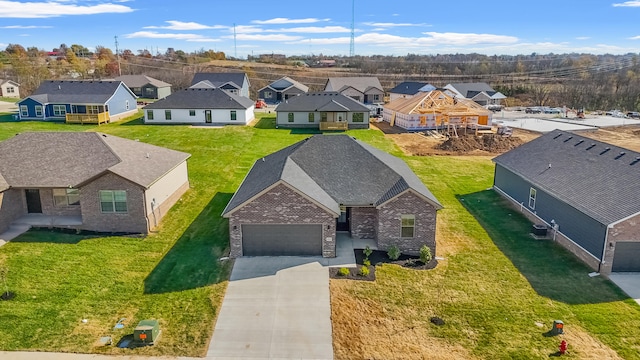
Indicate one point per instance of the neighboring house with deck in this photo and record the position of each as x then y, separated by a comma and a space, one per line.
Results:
104, 182
585, 189
281, 90
293, 201
91, 102
9, 88
366, 89
235, 83
200, 106
145, 86
324, 111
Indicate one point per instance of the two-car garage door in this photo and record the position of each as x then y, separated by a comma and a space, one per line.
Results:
626, 257
281, 240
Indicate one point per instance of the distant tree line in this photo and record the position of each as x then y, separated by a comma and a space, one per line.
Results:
572, 80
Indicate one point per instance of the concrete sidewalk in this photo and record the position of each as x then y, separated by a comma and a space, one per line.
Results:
629, 283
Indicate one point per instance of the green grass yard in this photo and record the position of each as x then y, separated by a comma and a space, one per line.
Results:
493, 287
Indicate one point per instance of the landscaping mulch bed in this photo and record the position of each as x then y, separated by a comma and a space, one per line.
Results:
379, 257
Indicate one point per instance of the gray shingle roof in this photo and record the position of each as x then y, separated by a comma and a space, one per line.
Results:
361, 84
408, 88
285, 83
77, 92
333, 170
202, 98
62, 159
219, 79
135, 81
596, 178
466, 88
322, 101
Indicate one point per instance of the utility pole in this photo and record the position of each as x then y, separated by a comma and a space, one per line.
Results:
118, 56
352, 47
235, 44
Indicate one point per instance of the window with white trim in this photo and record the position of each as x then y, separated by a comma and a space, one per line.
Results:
408, 225
192, 112
167, 114
24, 110
113, 201
532, 198
312, 117
290, 117
10, 90
59, 110
38, 110
149, 114
268, 95
66, 197
234, 115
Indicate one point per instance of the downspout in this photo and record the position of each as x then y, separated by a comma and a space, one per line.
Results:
604, 247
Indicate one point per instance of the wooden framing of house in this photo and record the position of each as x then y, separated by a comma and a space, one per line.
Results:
434, 110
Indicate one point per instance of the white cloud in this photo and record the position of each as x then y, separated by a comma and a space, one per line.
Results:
583, 38
433, 39
288, 21
25, 27
635, 37
14, 9
260, 37
388, 24
180, 25
314, 29
246, 29
468, 38
156, 35
628, 4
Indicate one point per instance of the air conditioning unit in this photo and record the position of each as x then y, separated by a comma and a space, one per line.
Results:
147, 332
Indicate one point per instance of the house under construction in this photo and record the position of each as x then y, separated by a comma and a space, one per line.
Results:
436, 110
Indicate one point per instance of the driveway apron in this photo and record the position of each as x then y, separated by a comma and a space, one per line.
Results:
274, 308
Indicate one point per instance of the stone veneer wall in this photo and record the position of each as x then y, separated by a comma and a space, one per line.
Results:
363, 222
389, 224
12, 206
282, 205
133, 221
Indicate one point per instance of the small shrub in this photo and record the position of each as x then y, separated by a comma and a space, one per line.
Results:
343, 271
367, 252
393, 253
364, 271
366, 262
425, 254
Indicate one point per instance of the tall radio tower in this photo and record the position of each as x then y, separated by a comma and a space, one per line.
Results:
352, 46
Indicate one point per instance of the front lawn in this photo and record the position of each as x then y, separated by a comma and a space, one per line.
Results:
497, 289
174, 275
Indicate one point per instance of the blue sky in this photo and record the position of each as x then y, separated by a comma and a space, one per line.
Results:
302, 27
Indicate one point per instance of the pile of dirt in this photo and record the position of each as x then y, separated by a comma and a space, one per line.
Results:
488, 142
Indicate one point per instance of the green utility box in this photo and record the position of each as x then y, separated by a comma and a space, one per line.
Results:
147, 332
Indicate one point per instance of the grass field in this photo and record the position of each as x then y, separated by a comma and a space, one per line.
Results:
497, 289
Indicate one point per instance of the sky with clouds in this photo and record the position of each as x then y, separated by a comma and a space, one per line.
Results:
389, 27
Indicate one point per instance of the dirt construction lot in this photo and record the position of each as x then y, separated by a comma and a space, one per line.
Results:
419, 144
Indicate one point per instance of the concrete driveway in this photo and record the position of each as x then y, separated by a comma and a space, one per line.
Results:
275, 308
629, 282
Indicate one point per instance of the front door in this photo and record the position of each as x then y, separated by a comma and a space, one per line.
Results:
207, 116
343, 223
34, 206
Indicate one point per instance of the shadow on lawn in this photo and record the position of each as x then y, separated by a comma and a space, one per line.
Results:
551, 270
267, 122
194, 260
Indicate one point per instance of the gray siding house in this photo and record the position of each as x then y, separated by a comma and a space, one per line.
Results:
145, 86
281, 90
293, 201
235, 83
481, 93
101, 182
200, 106
367, 90
324, 111
583, 190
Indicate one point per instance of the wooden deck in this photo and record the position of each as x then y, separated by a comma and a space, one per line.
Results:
329, 125
101, 118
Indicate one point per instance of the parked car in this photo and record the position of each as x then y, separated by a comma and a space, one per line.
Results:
633, 114
615, 113
551, 110
532, 110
